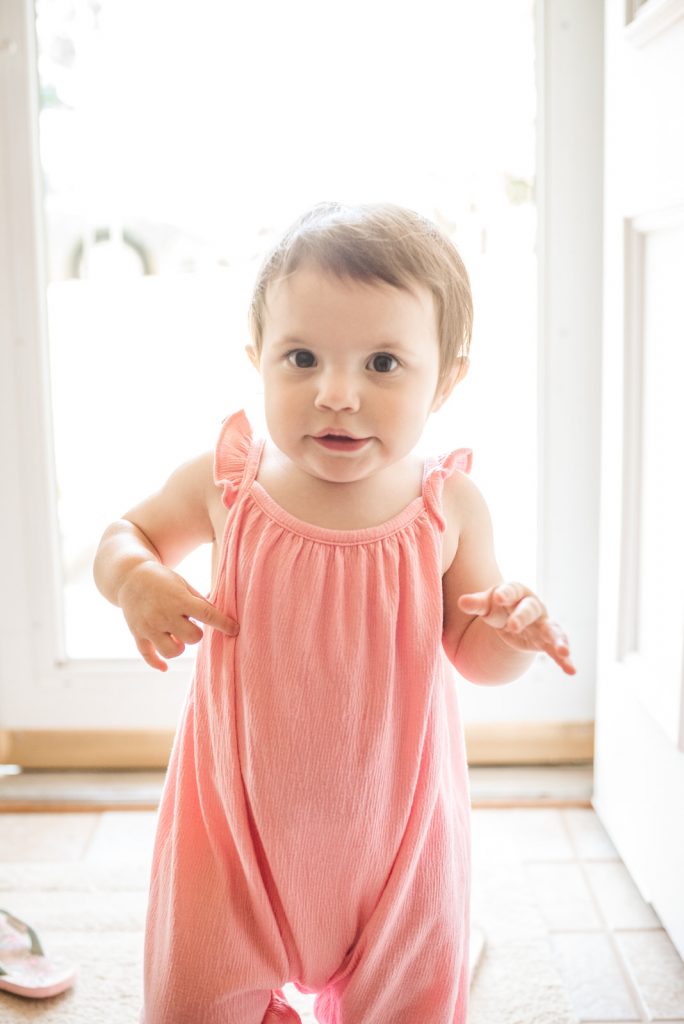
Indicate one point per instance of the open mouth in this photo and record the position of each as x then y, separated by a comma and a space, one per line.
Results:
335, 442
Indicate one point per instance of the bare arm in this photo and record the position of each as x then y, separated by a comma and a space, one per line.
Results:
134, 560
123, 548
492, 629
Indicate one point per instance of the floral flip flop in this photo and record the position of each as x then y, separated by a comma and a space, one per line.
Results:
24, 968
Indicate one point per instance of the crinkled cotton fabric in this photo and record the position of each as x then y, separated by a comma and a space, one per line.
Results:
314, 826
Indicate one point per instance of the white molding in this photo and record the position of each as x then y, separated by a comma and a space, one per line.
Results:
543, 282
569, 247
37, 680
636, 230
28, 537
570, 294
650, 19
659, 218
680, 737
632, 418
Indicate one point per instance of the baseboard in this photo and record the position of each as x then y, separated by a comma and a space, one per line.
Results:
529, 743
86, 748
486, 743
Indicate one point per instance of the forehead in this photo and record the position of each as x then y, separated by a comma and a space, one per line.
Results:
314, 299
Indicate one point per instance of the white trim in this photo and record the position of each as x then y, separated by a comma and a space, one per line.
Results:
638, 670
570, 292
659, 219
680, 736
29, 530
543, 283
632, 456
35, 675
569, 194
650, 19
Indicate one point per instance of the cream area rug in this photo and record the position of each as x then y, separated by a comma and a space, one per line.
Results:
92, 912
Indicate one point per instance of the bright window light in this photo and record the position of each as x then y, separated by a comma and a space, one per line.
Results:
178, 142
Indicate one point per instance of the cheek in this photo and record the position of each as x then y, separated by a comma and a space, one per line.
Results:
283, 406
276, 390
409, 403
282, 385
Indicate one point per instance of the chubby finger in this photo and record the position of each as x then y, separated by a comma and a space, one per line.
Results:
167, 644
563, 661
556, 637
557, 646
211, 616
482, 603
187, 631
509, 593
149, 653
526, 612
475, 604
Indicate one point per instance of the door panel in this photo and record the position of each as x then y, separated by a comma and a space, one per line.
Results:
661, 596
639, 756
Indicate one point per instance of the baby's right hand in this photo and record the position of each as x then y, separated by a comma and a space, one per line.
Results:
158, 605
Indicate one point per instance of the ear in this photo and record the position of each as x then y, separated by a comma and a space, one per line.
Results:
253, 357
458, 373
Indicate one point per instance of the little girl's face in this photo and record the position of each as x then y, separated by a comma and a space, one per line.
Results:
351, 356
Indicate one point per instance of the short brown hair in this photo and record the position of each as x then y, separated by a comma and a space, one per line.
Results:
376, 242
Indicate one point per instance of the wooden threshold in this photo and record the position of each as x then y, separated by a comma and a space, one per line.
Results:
36, 806
97, 807
523, 804
48, 791
490, 743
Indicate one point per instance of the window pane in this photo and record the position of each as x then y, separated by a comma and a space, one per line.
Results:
179, 141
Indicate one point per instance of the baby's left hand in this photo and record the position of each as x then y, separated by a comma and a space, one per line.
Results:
521, 619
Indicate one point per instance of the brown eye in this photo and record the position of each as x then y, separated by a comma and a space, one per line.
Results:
380, 362
297, 353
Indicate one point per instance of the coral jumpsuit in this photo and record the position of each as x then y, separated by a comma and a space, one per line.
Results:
314, 826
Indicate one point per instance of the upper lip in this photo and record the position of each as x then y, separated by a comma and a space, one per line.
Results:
336, 432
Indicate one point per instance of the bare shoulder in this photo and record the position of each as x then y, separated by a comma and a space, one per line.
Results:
177, 517
466, 508
461, 500
474, 567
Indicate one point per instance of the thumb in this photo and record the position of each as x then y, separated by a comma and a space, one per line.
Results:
475, 604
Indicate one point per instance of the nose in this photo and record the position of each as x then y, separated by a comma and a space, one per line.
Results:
338, 390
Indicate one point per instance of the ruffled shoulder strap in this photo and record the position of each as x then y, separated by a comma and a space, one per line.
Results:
436, 472
231, 455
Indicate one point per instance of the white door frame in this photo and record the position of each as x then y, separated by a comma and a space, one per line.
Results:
39, 687
37, 682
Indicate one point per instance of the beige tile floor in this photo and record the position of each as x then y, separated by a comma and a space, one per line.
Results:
614, 958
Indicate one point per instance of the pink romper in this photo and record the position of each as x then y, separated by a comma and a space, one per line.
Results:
315, 822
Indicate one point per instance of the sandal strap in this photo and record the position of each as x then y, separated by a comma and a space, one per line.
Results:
24, 929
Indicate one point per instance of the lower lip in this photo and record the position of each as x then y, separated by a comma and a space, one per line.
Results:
334, 445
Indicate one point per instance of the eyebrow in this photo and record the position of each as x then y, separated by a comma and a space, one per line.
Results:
290, 340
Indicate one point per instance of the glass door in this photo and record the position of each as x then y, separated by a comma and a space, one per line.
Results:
176, 144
